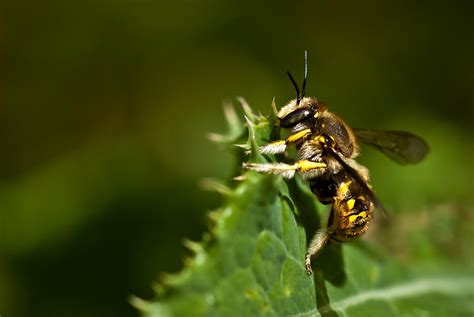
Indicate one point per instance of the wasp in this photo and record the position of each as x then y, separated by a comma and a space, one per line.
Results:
326, 149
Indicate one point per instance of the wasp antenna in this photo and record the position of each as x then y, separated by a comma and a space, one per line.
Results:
298, 97
305, 78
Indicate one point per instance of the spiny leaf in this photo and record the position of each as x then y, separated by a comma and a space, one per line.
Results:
251, 263
235, 127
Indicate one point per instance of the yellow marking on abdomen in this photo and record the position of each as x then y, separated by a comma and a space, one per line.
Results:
353, 218
350, 204
299, 135
343, 189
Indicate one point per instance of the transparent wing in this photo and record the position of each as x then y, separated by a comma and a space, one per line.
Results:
402, 147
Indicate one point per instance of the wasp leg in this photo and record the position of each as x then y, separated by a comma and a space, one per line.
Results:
280, 146
320, 239
286, 170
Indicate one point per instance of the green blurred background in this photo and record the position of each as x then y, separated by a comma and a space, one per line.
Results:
105, 107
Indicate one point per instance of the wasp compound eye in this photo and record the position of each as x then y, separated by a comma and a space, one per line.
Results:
295, 117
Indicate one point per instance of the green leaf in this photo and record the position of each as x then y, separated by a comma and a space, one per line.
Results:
251, 263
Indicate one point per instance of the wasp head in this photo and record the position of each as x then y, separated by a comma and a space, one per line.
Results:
299, 110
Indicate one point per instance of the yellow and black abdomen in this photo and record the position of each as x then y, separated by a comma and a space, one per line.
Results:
352, 211
352, 208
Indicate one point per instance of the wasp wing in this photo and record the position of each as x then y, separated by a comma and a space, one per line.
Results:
402, 147
356, 176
